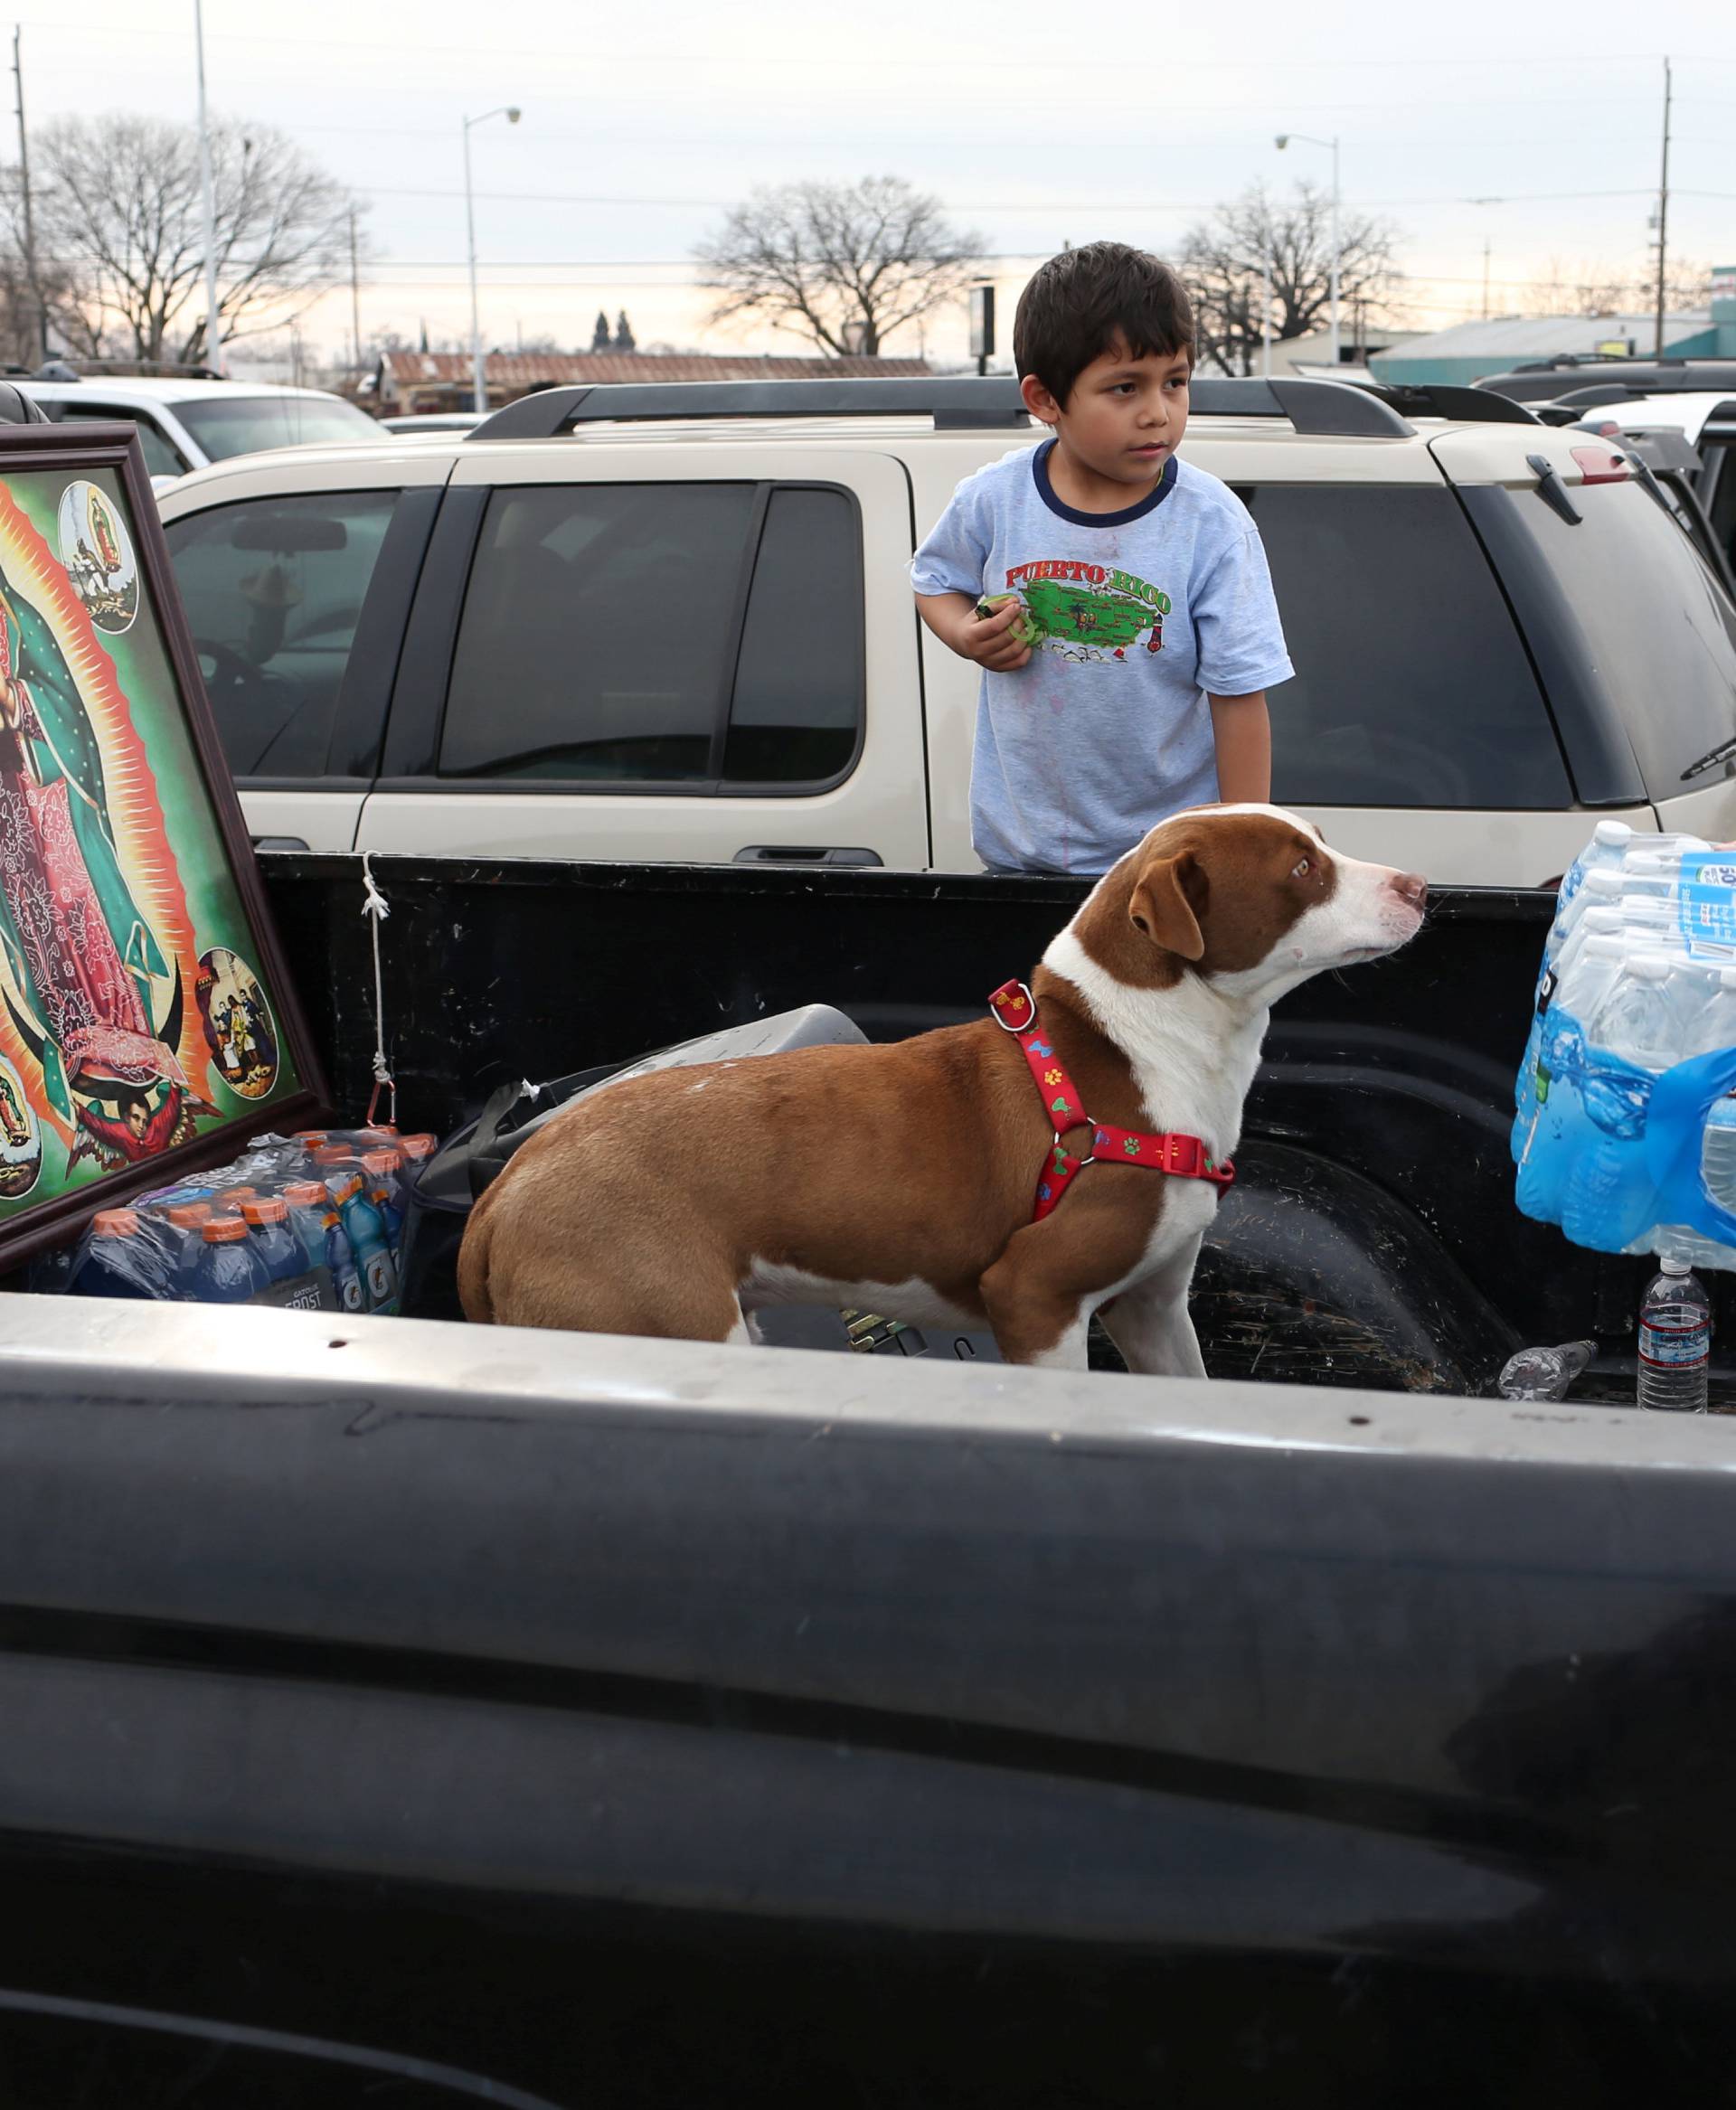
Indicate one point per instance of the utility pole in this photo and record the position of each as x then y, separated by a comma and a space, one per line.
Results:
1663, 214
1486, 278
213, 322
1266, 307
355, 300
31, 279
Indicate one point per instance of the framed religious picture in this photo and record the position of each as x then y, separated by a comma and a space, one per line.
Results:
147, 1023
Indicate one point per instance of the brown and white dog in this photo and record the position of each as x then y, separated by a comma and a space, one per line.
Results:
901, 1178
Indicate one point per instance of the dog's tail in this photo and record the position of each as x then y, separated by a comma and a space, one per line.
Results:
473, 1266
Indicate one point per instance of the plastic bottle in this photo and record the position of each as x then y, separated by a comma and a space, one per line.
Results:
1634, 1035
121, 1258
384, 1171
321, 1229
367, 1234
187, 1221
1544, 1373
295, 1285
1711, 1028
1647, 877
227, 1270
1560, 1129
1599, 923
1674, 1340
1566, 942
1608, 845
309, 1206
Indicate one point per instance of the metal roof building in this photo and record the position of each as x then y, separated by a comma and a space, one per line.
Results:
1470, 350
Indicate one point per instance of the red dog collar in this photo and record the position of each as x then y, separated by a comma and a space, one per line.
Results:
1014, 1008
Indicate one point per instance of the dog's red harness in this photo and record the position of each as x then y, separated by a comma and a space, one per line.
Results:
1014, 1010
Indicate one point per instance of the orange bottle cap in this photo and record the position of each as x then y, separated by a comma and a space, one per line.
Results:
115, 1223
304, 1194
416, 1147
382, 1161
266, 1210
189, 1215
333, 1154
224, 1230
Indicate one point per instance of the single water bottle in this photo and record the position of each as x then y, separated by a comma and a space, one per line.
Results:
1611, 840
1634, 1035
1714, 1030
1674, 1340
1544, 1373
1560, 1129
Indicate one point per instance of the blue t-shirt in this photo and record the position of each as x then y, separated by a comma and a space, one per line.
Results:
1106, 728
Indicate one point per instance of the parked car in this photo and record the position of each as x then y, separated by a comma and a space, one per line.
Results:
637, 623
1547, 381
189, 424
1706, 420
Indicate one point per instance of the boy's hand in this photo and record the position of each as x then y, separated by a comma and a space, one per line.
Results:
990, 641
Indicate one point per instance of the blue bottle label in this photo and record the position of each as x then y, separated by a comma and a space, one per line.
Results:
1673, 1346
1706, 908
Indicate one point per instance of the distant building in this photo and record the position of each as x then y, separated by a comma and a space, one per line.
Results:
405, 383
1470, 350
1310, 355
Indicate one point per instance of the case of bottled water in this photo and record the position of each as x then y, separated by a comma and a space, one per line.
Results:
309, 1221
1625, 1128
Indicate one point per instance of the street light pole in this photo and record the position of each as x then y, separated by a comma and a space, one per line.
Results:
478, 365
1308, 139
214, 325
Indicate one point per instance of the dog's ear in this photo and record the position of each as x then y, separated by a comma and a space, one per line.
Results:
1168, 902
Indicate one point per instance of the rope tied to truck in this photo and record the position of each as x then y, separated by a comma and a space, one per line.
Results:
376, 908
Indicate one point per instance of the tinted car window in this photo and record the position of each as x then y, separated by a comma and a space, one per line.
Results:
1412, 687
597, 633
1652, 633
799, 680
273, 588
246, 424
161, 458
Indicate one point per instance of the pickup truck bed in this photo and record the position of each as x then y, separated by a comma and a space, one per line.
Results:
1371, 1239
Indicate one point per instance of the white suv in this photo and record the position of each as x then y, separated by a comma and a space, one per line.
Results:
188, 424
675, 622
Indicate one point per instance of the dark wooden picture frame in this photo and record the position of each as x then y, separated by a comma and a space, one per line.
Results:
213, 843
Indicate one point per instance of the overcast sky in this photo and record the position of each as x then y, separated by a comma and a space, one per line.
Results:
1034, 124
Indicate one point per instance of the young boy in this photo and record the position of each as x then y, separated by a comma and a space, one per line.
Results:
1140, 576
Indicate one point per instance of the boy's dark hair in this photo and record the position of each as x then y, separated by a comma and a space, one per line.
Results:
1080, 303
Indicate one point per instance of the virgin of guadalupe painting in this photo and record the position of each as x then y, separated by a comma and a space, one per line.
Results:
124, 868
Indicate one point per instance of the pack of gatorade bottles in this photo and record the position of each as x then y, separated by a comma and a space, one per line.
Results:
309, 1222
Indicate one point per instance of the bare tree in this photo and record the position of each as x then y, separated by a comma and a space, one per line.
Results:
842, 264
1593, 288
1222, 259
25, 294
119, 203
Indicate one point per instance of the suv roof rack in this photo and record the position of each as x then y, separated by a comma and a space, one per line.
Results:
1461, 404
955, 402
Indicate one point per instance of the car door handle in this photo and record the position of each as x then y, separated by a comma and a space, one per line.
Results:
278, 842
803, 854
